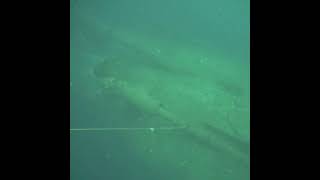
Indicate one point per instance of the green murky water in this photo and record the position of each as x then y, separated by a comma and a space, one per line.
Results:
160, 90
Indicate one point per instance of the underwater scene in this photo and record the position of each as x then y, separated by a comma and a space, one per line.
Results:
159, 89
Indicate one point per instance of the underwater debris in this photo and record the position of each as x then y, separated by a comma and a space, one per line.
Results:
230, 87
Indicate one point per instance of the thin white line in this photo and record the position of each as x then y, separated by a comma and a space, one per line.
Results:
126, 129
